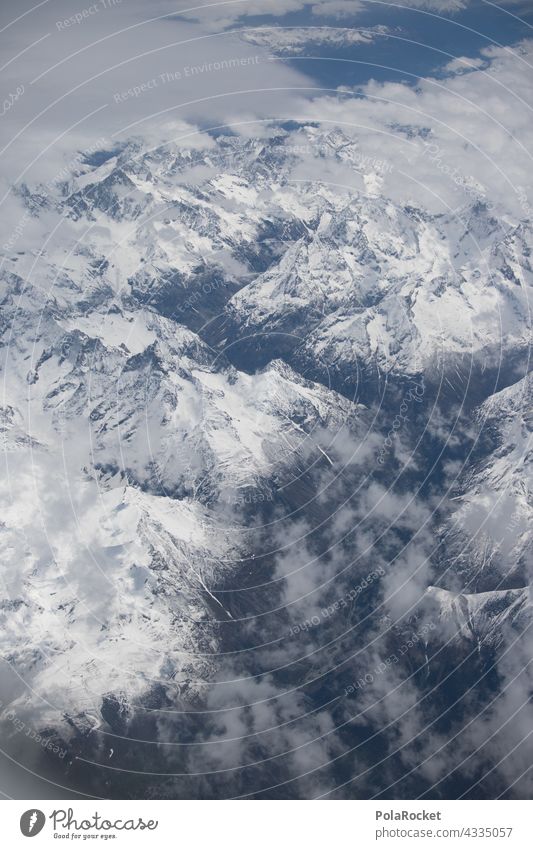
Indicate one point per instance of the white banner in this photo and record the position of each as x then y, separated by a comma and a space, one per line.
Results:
263, 825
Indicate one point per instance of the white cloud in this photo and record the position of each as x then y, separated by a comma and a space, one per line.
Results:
446, 139
293, 40
338, 8
78, 75
180, 72
462, 64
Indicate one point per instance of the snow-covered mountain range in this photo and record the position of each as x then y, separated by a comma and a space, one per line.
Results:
202, 335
